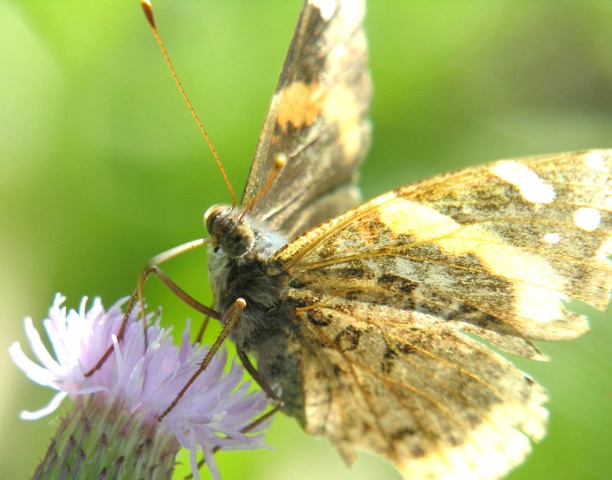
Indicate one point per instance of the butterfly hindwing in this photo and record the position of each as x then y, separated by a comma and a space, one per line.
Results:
433, 402
318, 118
382, 293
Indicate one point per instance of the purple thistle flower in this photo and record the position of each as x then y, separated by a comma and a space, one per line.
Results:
127, 394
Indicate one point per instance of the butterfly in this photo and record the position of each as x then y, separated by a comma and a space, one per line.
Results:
367, 315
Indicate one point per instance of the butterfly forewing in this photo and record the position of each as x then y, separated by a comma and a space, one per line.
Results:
318, 112
381, 293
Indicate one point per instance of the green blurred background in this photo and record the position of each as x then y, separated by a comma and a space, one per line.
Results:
102, 166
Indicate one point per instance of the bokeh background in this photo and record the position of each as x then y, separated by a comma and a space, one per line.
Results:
102, 167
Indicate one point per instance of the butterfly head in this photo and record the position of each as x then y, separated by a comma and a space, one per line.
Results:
227, 230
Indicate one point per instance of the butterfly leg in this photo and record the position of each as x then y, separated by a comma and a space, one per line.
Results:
248, 366
202, 330
229, 319
174, 288
152, 268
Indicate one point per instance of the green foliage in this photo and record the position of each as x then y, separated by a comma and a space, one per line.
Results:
102, 166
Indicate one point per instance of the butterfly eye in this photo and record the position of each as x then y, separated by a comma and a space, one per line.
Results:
217, 221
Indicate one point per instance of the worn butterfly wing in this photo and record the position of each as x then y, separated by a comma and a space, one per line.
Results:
382, 298
318, 119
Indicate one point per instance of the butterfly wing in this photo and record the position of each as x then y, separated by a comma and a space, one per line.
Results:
383, 294
318, 119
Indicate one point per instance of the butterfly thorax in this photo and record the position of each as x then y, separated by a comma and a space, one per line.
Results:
241, 249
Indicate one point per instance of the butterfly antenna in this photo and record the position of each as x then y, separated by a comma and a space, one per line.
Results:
148, 11
280, 160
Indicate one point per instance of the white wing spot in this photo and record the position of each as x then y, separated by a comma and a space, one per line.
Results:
594, 161
552, 238
339, 52
531, 187
587, 218
353, 11
326, 7
605, 250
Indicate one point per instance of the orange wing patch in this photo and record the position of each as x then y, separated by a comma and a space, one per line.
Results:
301, 105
